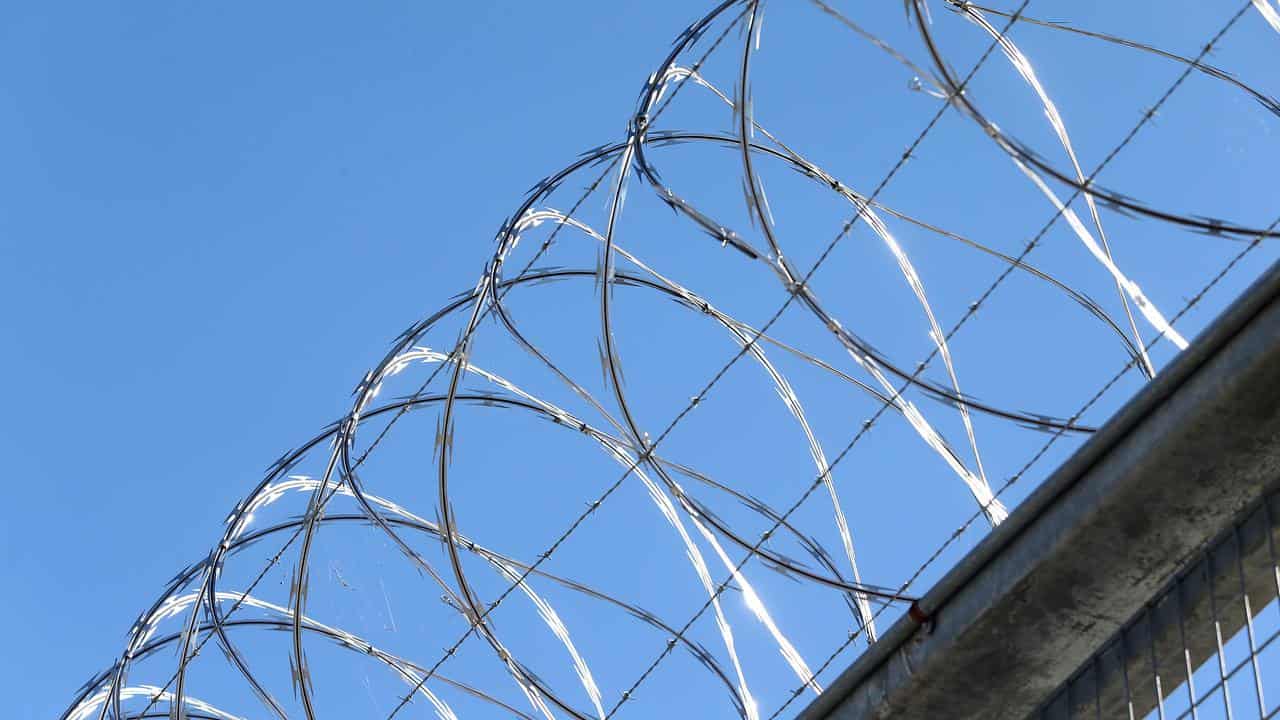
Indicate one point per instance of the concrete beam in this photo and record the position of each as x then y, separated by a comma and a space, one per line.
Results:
1100, 538
1180, 626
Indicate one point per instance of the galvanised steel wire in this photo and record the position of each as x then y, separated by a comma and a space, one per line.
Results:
202, 611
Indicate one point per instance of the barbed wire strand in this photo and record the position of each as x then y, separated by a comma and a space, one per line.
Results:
1131, 364
645, 450
590, 190
968, 313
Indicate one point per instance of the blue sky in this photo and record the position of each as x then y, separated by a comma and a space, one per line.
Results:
220, 216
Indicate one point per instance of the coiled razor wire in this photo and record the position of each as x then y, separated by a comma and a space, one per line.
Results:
578, 646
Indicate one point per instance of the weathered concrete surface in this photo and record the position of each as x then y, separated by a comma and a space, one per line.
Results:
1096, 541
1178, 628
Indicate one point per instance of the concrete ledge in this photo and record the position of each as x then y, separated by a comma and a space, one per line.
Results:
1101, 537
1181, 625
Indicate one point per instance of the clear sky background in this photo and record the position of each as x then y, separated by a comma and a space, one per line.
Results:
216, 216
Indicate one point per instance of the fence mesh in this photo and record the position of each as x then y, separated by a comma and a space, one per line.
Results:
1204, 648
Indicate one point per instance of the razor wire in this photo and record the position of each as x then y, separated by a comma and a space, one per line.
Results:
199, 610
